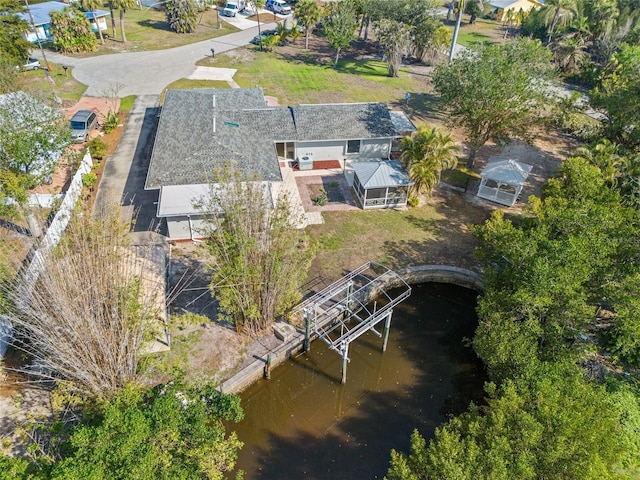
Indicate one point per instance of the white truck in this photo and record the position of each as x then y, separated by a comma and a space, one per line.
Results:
232, 8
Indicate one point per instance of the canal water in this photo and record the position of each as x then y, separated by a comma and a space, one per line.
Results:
303, 424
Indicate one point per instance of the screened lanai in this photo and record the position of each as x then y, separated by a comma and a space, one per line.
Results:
502, 181
380, 184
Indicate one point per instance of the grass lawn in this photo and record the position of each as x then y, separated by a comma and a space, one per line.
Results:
147, 29
437, 232
185, 84
296, 81
483, 31
66, 88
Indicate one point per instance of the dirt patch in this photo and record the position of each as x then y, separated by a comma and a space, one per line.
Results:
339, 195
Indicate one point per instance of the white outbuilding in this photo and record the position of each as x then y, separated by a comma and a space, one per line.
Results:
502, 181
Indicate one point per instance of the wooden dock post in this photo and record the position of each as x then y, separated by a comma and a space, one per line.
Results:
267, 367
307, 330
385, 334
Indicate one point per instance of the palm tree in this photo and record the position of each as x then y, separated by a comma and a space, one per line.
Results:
570, 53
257, 5
123, 5
558, 11
425, 154
604, 155
91, 6
308, 13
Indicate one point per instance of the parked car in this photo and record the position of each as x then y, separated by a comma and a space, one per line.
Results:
267, 33
82, 122
31, 64
232, 8
278, 6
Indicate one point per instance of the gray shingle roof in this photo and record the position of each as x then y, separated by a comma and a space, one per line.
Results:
201, 128
194, 136
343, 121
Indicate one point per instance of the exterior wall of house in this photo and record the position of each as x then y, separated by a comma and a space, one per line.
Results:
43, 34
325, 150
521, 5
102, 22
337, 149
376, 148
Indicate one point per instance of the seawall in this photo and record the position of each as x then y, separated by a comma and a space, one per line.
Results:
295, 343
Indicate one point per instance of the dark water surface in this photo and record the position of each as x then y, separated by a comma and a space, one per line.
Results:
303, 424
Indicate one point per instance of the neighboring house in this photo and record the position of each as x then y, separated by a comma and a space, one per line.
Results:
40, 29
503, 7
200, 129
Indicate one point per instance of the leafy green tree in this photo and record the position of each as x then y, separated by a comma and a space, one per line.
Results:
494, 91
173, 431
123, 6
604, 155
629, 180
33, 136
548, 277
308, 14
92, 6
474, 9
620, 83
425, 154
72, 31
340, 27
259, 258
9, 75
182, 15
13, 48
556, 424
394, 38
428, 38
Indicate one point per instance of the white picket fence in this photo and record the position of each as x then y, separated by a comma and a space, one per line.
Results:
49, 240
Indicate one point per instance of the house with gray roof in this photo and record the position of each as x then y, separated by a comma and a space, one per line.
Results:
200, 129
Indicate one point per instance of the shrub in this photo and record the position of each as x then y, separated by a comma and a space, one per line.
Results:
97, 148
89, 179
322, 198
111, 122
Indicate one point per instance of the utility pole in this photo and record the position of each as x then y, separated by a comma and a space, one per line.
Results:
456, 29
33, 25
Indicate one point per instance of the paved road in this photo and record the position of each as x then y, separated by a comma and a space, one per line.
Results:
147, 73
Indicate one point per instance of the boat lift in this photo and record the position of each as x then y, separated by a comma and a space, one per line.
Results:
343, 311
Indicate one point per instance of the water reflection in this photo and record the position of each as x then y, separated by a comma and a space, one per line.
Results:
304, 424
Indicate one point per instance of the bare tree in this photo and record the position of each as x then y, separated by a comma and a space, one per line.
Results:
259, 257
84, 309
